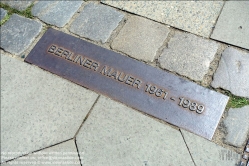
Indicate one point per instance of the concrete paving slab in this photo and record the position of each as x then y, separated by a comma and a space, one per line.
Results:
56, 13
97, 26
237, 126
188, 55
3, 13
62, 154
206, 153
232, 25
232, 73
18, 33
19, 5
115, 134
197, 17
38, 109
140, 38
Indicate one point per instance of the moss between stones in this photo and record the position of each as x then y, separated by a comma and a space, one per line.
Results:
236, 101
25, 13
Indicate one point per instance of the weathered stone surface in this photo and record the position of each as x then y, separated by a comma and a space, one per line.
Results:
232, 73
3, 13
117, 135
232, 26
60, 154
188, 55
38, 109
206, 153
197, 17
19, 5
237, 126
56, 13
140, 38
96, 22
18, 33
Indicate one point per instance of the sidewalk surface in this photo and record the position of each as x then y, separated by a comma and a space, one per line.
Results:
47, 120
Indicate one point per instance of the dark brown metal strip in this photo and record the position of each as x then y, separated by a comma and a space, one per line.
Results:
143, 87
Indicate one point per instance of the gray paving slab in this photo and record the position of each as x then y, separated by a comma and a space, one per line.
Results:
237, 126
56, 13
140, 38
206, 153
3, 13
62, 154
232, 25
188, 55
115, 134
38, 109
97, 26
19, 5
197, 17
18, 33
232, 73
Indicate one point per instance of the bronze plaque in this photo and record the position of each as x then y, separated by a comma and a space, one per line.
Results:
143, 87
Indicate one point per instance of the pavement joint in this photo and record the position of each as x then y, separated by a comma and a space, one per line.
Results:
187, 147
88, 114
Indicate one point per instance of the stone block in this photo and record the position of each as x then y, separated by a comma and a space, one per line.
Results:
18, 33
96, 22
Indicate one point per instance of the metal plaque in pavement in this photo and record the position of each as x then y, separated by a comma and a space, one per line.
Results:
136, 84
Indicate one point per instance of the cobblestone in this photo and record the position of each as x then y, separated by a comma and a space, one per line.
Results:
206, 153
237, 126
97, 26
140, 38
232, 26
18, 33
38, 109
232, 73
197, 17
129, 137
19, 5
188, 55
56, 13
3, 13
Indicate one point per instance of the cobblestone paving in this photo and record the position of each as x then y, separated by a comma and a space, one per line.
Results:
42, 113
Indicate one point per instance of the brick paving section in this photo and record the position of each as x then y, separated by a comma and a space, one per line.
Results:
232, 73
3, 13
97, 26
188, 55
140, 38
237, 126
18, 33
56, 13
19, 5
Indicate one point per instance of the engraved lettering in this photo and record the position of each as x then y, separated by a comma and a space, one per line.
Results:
124, 77
95, 65
52, 49
106, 72
80, 59
114, 75
87, 63
59, 52
129, 80
72, 57
65, 54
137, 82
